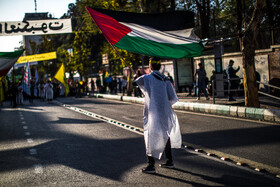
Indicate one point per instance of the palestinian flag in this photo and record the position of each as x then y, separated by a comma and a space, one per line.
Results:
7, 60
164, 35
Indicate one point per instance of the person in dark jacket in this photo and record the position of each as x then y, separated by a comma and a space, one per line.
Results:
200, 75
231, 73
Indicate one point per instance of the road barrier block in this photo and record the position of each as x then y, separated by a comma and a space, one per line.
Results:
255, 113
191, 106
259, 113
236, 111
233, 110
140, 100
207, 108
249, 112
276, 115
198, 107
113, 97
241, 112
268, 115
213, 109
222, 109
186, 106
179, 106
127, 98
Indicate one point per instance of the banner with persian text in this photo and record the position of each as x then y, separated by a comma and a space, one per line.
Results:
39, 57
36, 27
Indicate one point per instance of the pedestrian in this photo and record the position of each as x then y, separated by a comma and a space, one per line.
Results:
120, 85
161, 126
114, 85
124, 85
41, 90
138, 92
212, 82
78, 89
231, 74
49, 91
14, 92
32, 88
20, 94
92, 85
200, 76
170, 78
61, 90
98, 84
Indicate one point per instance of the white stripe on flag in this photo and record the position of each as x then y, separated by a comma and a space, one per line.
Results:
185, 36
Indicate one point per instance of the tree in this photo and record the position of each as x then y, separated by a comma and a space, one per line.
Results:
248, 38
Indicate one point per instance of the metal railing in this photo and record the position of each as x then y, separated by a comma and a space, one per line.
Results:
230, 90
214, 91
270, 86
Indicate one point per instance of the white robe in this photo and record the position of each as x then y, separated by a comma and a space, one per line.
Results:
62, 89
49, 90
41, 90
160, 120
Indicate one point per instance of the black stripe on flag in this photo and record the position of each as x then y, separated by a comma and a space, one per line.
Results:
168, 21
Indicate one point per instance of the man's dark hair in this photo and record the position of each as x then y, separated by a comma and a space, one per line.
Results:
155, 63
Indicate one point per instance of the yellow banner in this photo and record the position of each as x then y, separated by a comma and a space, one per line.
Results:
39, 57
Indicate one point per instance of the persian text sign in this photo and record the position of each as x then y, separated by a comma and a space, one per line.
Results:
39, 57
36, 27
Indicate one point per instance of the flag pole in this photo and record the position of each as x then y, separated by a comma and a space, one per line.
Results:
126, 63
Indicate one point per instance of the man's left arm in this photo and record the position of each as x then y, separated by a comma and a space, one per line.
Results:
172, 96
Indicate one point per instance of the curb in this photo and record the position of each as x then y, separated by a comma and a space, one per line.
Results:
272, 115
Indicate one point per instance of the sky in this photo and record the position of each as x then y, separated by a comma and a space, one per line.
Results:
14, 10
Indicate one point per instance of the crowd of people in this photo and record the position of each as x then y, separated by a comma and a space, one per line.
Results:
112, 85
43, 90
232, 82
49, 90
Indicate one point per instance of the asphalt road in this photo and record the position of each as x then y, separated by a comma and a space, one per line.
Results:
49, 145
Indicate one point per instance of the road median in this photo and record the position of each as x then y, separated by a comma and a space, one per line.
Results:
272, 115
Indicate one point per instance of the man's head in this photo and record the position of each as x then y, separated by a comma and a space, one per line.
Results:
155, 64
200, 65
231, 62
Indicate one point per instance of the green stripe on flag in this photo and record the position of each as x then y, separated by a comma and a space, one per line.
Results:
15, 54
163, 50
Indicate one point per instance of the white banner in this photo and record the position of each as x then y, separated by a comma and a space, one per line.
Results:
36, 27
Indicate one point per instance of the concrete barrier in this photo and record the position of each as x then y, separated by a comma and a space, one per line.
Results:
235, 111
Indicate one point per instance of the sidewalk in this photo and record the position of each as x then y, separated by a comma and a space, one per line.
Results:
265, 102
269, 110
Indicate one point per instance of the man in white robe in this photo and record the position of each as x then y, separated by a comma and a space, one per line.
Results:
49, 91
161, 126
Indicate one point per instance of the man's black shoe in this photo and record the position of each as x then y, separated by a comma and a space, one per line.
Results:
149, 169
167, 165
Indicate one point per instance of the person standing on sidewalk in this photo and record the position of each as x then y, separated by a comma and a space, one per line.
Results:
124, 85
233, 84
161, 126
200, 76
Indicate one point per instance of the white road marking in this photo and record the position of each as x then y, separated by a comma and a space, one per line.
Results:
30, 140
23, 122
38, 168
104, 118
32, 151
27, 133
25, 127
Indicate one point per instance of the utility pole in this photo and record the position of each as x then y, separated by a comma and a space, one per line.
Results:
35, 6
